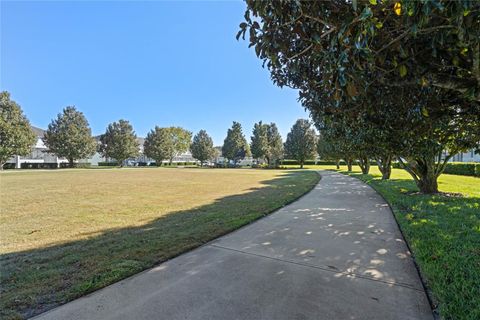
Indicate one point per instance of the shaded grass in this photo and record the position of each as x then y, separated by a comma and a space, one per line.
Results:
444, 235
70, 232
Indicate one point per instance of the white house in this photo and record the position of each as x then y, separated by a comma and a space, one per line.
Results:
469, 156
38, 155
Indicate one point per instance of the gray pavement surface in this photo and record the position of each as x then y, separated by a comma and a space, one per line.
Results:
336, 253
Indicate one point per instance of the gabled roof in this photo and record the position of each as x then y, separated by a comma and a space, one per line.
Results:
38, 132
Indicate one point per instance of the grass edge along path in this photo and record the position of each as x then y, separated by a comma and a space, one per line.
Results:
34, 281
443, 233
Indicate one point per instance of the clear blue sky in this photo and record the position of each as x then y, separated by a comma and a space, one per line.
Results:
152, 63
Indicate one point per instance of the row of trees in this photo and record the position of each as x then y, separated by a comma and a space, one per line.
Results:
69, 136
267, 145
386, 79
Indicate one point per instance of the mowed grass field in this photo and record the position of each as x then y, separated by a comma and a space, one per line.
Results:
443, 232
66, 233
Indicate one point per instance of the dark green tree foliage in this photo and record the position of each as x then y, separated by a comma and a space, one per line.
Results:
69, 136
266, 143
166, 143
259, 141
158, 145
341, 55
119, 142
275, 145
235, 146
202, 147
335, 44
301, 142
328, 149
16, 135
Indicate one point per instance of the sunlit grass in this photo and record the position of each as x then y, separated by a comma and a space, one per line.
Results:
443, 233
68, 232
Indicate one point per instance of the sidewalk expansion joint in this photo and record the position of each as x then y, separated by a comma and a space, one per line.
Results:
346, 273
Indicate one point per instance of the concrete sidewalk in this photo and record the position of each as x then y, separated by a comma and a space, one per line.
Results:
336, 253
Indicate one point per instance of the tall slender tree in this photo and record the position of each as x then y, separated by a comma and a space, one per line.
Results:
16, 135
259, 141
301, 142
69, 136
275, 145
235, 146
119, 142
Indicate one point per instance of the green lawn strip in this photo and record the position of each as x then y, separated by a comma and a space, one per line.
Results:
36, 280
443, 233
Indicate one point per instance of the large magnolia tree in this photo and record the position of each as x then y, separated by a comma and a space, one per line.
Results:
339, 54
16, 135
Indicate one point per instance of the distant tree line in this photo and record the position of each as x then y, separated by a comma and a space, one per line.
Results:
69, 136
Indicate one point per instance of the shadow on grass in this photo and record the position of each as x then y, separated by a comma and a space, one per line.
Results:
34, 281
444, 234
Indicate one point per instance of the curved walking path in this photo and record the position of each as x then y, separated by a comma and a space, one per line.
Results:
336, 253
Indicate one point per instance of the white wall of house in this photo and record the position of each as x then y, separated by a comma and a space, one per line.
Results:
469, 156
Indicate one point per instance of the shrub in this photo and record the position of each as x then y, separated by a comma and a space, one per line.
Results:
76, 165
108, 164
310, 162
38, 166
457, 168
460, 168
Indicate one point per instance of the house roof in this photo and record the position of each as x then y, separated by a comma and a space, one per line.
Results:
38, 132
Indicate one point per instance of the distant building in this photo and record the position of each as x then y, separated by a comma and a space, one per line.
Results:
38, 155
469, 156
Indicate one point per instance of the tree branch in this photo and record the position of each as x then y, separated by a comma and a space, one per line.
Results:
301, 53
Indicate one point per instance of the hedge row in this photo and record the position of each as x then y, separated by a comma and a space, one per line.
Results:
151, 164
457, 168
166, 164
309, 162
108, 164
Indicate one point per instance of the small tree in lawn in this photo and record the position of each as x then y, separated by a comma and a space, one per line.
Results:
266, 143
166, 143
235, 146
301, 142
202, 147
158, 145
259, 141
69, 136
181, 140
119, 142
275, 145
16, 135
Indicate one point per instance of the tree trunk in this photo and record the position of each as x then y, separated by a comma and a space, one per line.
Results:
70, 163
385, 166
364, 164
425, 172
349, 164
428, 183
337, 163
301, 164
1, 165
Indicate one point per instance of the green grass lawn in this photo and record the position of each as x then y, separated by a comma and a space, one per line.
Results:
443, 233
65, 233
